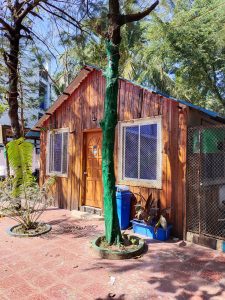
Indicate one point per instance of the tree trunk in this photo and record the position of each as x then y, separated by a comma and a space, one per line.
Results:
12, 63
6, 160
108, 124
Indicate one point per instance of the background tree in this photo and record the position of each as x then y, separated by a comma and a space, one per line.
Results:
3, 70
184, 54
32, 62
17, 24
179, 51
91, 49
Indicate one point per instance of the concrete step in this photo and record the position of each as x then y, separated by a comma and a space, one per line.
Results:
91, 210
77, 214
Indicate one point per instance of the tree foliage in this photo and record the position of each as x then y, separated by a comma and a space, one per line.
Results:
180, 51
18, 27
91, 48
185, 54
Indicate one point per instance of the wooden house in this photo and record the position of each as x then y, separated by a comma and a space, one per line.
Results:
150, 147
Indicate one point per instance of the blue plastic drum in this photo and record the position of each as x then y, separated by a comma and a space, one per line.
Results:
123, 200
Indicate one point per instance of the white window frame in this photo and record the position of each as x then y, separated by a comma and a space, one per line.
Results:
59, 174
121, 163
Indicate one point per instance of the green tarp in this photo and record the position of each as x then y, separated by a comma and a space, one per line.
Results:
212, 140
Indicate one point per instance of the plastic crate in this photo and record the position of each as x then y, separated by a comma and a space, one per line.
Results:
223, 246
147, 230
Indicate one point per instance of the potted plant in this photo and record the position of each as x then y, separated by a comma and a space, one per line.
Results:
150, 221
21, 199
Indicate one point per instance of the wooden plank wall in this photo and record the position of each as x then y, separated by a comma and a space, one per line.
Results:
133, 102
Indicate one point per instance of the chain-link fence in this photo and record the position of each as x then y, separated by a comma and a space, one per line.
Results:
206, 181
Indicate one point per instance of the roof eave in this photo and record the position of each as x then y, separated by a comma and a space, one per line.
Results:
82, 74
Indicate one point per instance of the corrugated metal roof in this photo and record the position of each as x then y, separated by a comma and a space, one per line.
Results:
33, 134
208, 112
89, 68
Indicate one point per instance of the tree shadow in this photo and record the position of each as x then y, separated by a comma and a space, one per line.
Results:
111, 296
75, 228
180, 272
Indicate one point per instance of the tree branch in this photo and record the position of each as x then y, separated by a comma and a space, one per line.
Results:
43, 42
58, 16
6, 25
114, 7
64, 13
36, 15
9, 37
26, 36
25, 29
124, 19
28, 9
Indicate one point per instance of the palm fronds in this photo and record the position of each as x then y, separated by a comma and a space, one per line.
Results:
20, 160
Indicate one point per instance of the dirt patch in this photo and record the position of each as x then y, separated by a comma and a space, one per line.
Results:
38, 228
129, 243
132, 246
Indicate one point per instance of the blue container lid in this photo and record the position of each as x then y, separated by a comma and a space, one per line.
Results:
122, 188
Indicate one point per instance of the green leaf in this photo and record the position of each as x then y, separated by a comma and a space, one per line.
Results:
20, 159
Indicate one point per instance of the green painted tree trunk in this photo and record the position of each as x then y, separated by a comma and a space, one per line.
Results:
108, 124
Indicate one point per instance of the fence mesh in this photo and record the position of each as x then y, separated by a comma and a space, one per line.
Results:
206, 181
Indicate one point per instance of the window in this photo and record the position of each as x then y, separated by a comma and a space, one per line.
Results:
141, 153
58, 152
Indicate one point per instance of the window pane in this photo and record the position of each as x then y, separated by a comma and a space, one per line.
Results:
148, 152
131, 151
57, 152
65, 144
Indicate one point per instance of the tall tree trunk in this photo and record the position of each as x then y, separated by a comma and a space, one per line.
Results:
109, 122
12, 63
112, 229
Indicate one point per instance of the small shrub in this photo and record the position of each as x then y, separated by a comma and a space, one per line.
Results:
21, 198
26, 208
150, 213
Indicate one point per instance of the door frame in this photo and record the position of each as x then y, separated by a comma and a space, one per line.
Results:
83, 165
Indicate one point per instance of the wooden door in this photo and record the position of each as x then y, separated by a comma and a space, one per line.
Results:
93, 169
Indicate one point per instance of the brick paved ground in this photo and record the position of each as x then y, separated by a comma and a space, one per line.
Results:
61, 265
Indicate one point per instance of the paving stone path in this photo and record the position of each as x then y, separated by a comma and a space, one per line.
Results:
62, 265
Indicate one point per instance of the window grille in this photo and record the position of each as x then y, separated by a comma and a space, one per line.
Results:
58, 152
141, 152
